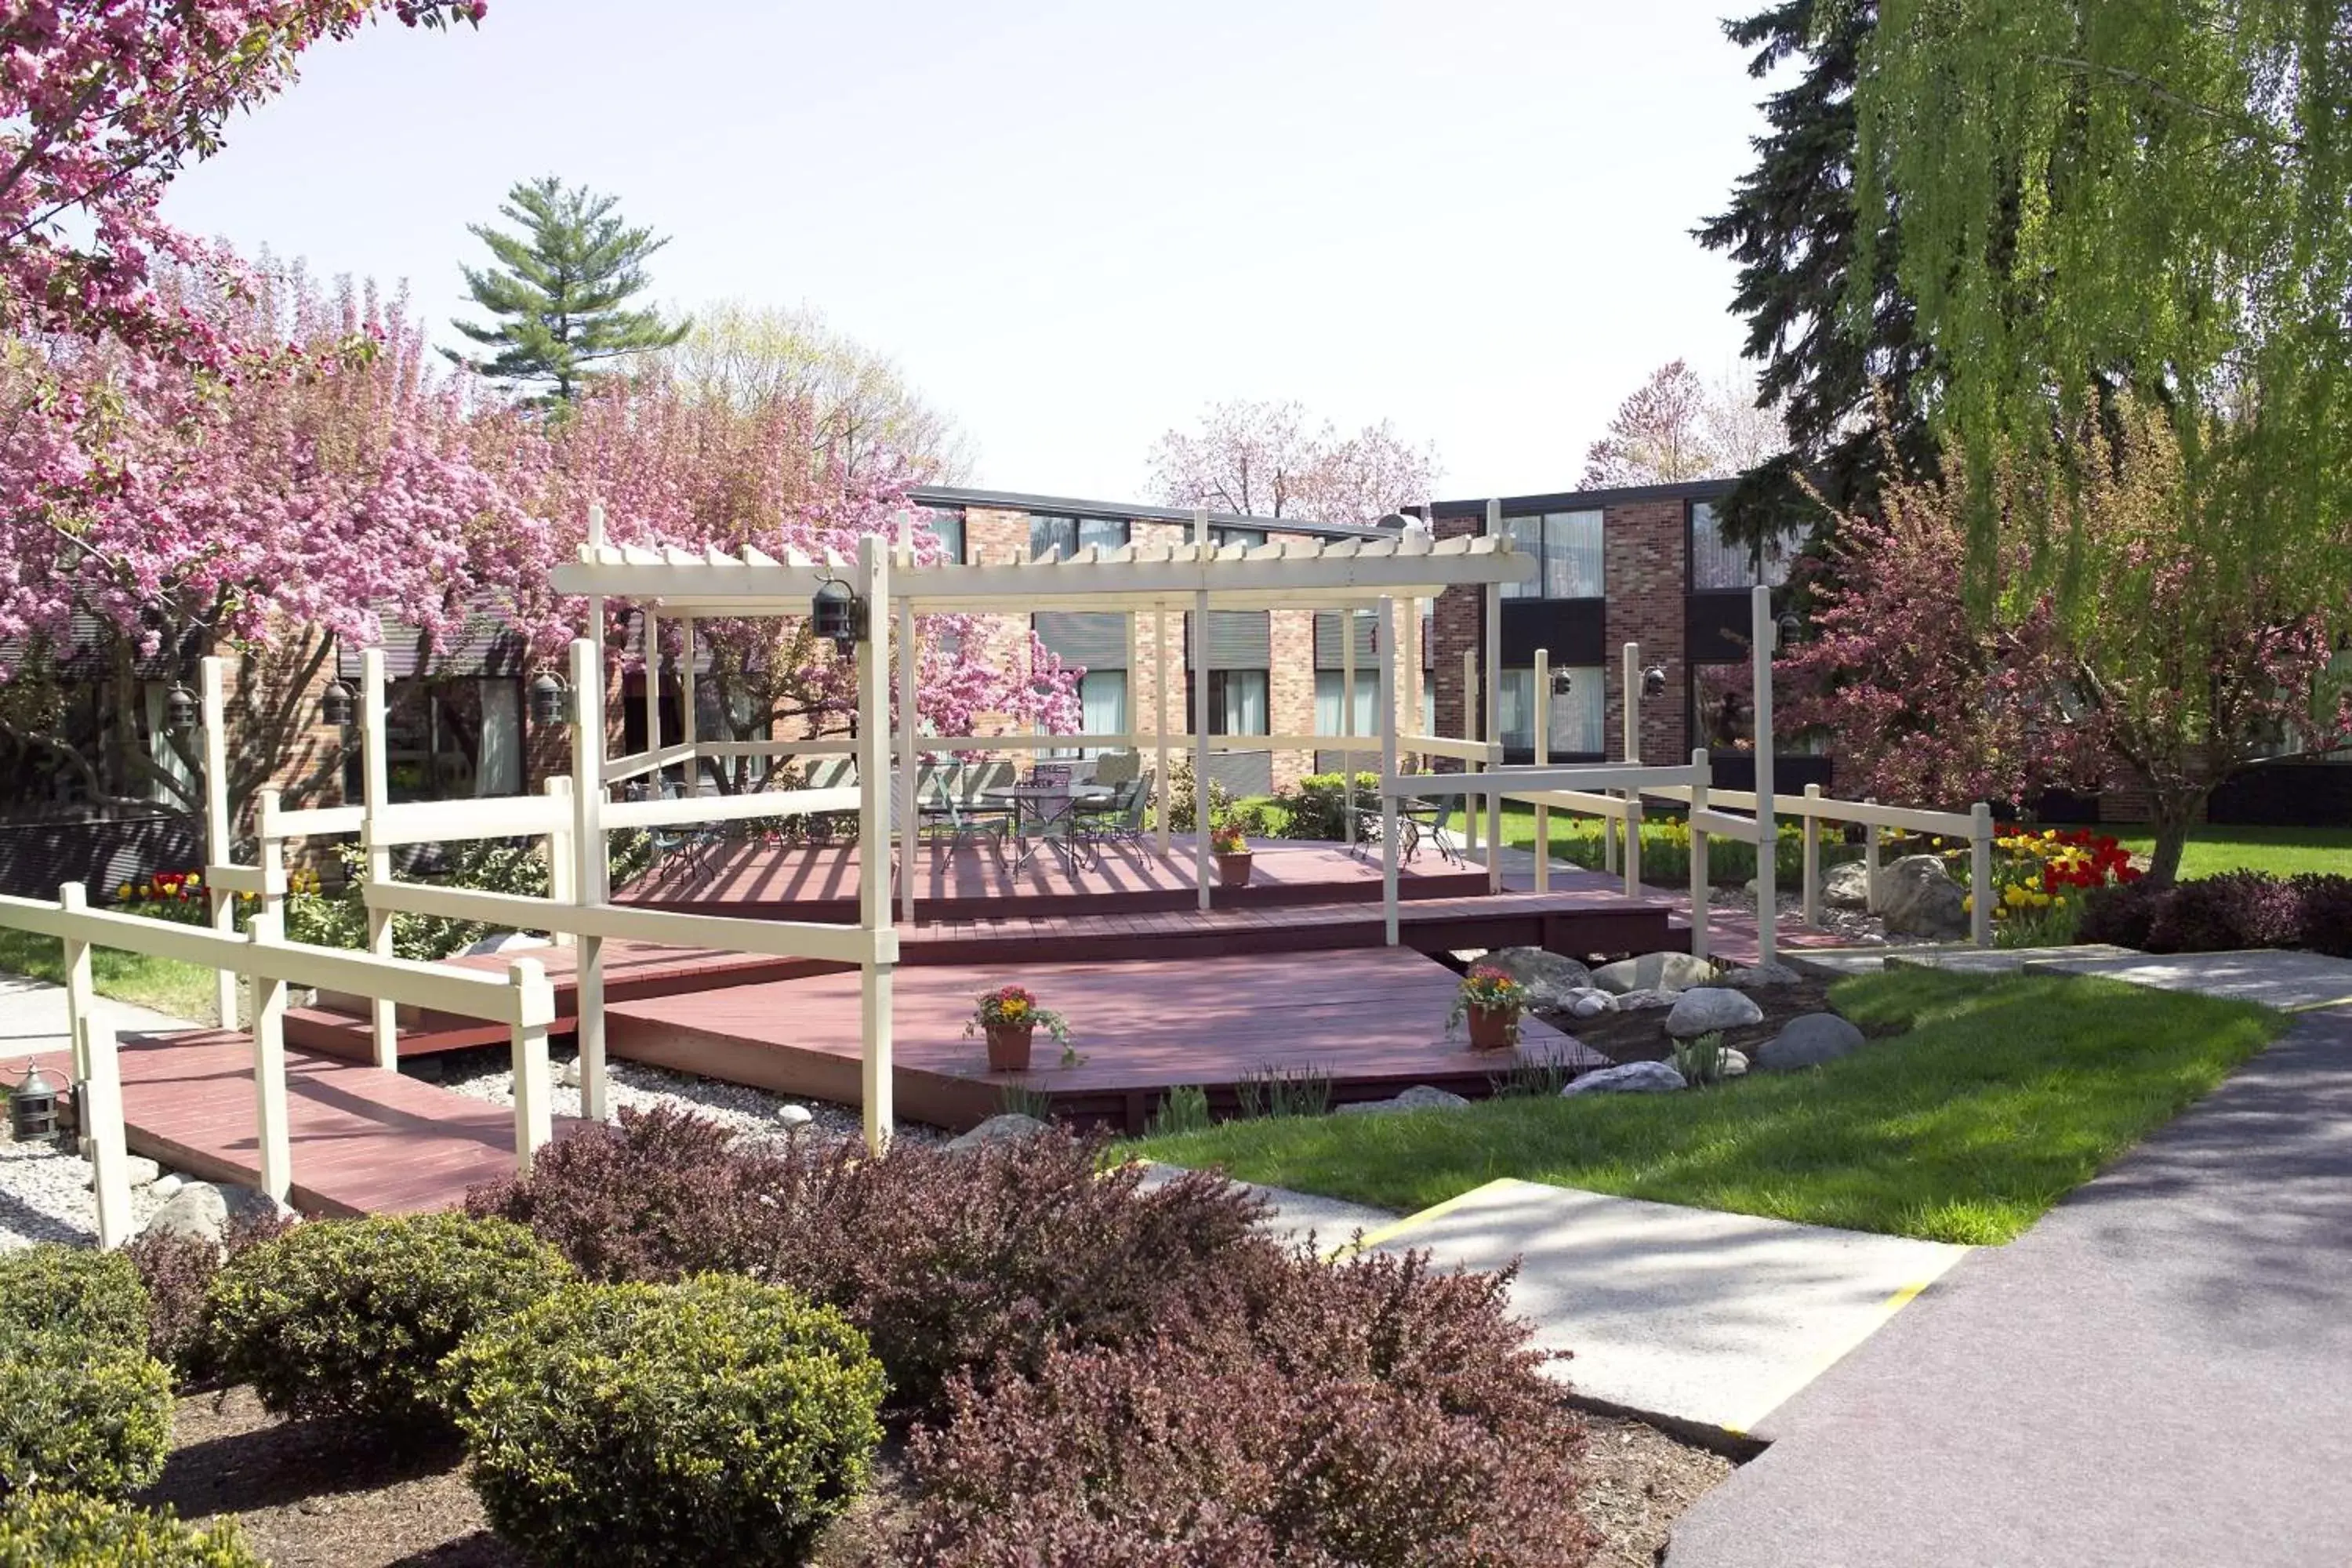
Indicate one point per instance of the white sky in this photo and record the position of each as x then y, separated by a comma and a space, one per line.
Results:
1073, 225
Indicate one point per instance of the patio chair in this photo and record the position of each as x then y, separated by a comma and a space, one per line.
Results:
1430, 817
697, 844
1052, 818
971, 816
831, 773
1119, 817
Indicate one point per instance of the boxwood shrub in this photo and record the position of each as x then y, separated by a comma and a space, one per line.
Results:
54, 1530
719, 1420
82, 1413
53, 1290
355, 1317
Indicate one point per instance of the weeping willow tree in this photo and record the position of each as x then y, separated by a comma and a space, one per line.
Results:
2152, 197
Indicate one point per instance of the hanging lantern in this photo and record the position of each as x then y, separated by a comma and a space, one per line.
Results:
1789, 629
181, 713
549, 700
1562, 682
838, 616
1653, 680
338, 705
33, 1109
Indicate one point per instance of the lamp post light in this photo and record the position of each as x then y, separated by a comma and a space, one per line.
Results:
551, 701
33, 1108
1653, 680
1786, 630
839, 615
1562, 682
339, 706
181, 711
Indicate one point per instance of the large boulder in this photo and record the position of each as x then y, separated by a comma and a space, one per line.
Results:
143, 1172
1808, 1041
1917, 897
1846, 885
1000, 1130
1759, 976
1707, 1009
1420, 1097
1552, 982
200, 1211
1635, 1001
1655, 972
1632, 1078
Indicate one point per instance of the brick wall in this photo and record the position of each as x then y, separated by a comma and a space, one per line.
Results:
1458, 626
1643, 552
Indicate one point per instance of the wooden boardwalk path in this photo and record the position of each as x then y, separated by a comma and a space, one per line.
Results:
363, 1141
1371, 1020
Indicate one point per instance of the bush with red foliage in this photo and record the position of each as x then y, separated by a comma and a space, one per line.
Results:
2234, 911
178, 1271
1298, 1412
2326, 912
948, 1260
2121, 915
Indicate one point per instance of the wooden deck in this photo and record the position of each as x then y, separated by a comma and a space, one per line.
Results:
363, 1140
970, 881
1373, 1021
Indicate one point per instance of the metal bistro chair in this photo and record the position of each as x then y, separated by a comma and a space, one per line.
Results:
1118, 818
1053, 816
1431, 817
971, 816
696, 844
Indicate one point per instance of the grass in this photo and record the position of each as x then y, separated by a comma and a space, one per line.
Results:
2004, 1095
2282, 851
166, 984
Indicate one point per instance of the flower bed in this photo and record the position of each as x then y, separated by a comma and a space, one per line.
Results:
2040, 879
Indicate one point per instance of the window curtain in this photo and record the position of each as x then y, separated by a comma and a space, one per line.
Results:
1330, 703
1515, 718
1102, 697
1572, 555
1579, 720
158, 748
499, 771
1526, 536
1243, 703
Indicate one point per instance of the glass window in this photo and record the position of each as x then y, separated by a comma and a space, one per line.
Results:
1059, 538
948, 528
1578, 718
1567, 548
1220, 535
1106, 533
1102, 709
1718, 562
1236, 702
1331, 697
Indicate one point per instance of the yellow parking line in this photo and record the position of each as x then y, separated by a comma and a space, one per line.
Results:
1421, 1217
1886, 1311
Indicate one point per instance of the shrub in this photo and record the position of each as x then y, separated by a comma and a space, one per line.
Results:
2121, 915
81, 1413
947, 1260
716, 1421
72, 1291
55, 1530
661, 1197
1317, 807
2327, 913
354, 1317
178, 1272
2234, 911
1365, 1412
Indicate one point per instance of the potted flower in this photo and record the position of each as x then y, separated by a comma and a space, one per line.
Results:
1232, 853
1492, 1002
1009, 1015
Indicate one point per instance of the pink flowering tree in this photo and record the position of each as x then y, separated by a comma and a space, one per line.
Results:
672, 466
2191, 655
1273, 459
176, 513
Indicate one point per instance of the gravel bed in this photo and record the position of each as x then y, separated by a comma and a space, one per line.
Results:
45, 1196
754, 1113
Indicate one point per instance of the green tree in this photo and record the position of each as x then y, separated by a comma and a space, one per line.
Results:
2150, 197
1825, 361
560, 289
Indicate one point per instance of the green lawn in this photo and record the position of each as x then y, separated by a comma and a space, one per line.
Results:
166, 984
2280, 850
2004, 1095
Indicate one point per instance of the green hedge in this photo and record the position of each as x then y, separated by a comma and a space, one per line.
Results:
715, 1421
79, 1414
355, 1317
74, 1290
51, 1529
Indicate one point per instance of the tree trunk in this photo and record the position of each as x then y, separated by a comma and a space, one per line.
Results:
2176, 813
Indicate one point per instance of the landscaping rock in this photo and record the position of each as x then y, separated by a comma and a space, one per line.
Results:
1761, 976
143, 1172
1735, 1063
1593, 1004
795, 1115
164, 1185
198, 1211
1420, 1097
1706, 1009
1633, 1077
1000, 1130
1808, 1041
1633, 1001
568, 1075
1917, 897
1552, 982
1846, 885
1655, 972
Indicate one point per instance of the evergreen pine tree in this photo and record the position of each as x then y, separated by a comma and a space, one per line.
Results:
557, 292
1791, 228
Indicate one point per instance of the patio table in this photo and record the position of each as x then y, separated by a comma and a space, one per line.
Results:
1046, 805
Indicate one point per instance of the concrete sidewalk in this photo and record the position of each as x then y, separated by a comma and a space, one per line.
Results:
33, 1017
2158, 1372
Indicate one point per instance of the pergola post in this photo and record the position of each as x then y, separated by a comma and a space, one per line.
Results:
1388, 651
685, 700
1162, 785
910, 822
649, 628
1543, 758
590, 868
376, 793
1470, 733
1763, 633
1698, 889
873, 881
563, 865
1494, 662
1198, 653
219, 902
527, 1045
1348, 721
1630, 678
1414, 656
275, 1155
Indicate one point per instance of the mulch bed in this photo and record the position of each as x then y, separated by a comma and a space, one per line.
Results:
321, 1494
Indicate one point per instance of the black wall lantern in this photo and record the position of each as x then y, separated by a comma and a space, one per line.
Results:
839, 615
1653, 680
1562, 683
338, 705
1789, 628
33, 1109
551, 702
180, 712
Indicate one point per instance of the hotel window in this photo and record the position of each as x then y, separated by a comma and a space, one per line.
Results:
1236, 702
1716, 563
1220, 535
1239, 653
1567, 548
1098, 645
1059, 538
947, 526
1578, 724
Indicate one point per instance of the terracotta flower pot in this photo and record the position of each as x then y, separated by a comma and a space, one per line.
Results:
1234, 870
1008, 1046
1493, 1028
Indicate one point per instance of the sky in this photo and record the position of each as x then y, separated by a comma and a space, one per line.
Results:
1073, 226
